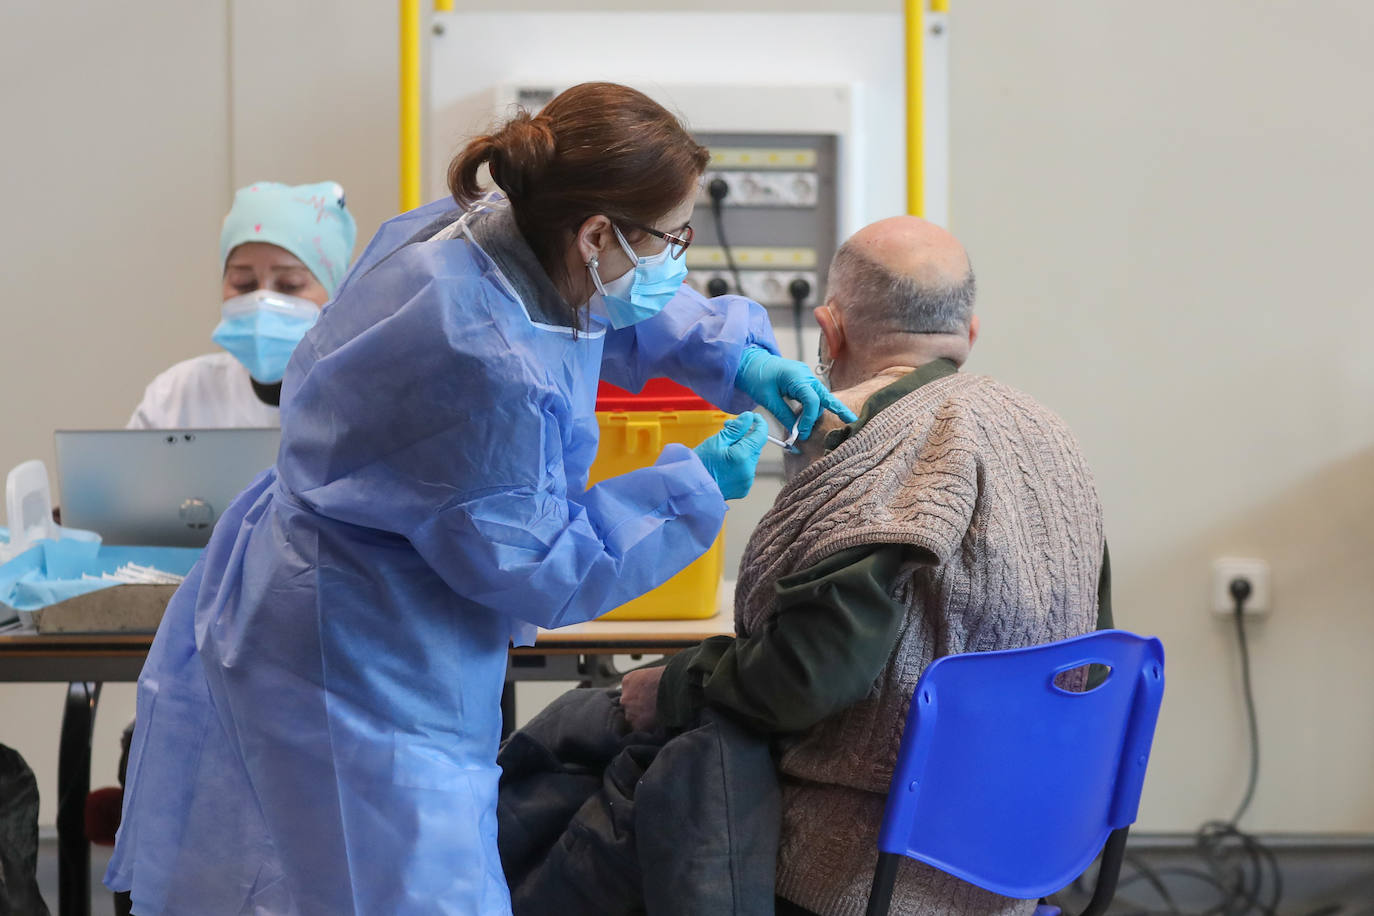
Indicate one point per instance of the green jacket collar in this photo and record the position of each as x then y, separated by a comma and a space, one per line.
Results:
889, 395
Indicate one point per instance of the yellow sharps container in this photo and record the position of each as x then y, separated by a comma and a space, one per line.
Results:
634, 429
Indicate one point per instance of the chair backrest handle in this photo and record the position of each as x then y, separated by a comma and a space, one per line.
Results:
1135, 750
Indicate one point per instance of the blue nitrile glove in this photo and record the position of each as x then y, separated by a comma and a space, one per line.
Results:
768, 379
732, 455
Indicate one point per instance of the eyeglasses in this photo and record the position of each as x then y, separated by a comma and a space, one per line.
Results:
677, 244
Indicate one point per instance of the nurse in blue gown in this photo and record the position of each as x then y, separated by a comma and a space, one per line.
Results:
319, 716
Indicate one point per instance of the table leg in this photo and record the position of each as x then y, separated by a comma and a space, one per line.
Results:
599, 671
73, 785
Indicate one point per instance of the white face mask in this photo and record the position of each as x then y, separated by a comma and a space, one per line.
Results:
620, 286
823, 365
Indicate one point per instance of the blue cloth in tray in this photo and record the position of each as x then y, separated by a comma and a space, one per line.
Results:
51, 571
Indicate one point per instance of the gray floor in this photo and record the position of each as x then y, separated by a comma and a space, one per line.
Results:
1319, 879
1332, 882
101, 901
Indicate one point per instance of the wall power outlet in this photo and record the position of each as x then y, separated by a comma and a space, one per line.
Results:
1225, 569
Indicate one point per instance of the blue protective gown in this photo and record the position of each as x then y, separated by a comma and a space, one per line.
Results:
319, 716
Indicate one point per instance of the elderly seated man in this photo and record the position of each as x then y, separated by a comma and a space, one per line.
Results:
956, 515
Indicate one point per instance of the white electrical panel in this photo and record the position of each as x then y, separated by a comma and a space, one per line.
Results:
765, 189
767, 219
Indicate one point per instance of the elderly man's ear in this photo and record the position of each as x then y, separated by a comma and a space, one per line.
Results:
831, 322
973, 330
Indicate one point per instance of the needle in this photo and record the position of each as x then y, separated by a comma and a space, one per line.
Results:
788, 445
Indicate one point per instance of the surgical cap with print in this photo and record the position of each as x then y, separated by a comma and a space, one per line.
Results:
310, 220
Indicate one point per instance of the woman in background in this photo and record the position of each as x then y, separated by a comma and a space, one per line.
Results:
283, 252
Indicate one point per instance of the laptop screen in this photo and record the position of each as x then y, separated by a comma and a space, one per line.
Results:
159, 487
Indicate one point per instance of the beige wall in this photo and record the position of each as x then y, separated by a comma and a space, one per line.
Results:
1165, 206
315, 98
113, 179
128, 126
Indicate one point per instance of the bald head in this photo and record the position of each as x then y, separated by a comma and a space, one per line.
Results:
904, 275
911, 247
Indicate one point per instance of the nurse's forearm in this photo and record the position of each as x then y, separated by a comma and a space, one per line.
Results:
694, 341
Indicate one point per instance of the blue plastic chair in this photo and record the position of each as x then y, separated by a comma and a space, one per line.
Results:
1013, 783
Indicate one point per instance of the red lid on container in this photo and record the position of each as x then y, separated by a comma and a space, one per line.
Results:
658, 394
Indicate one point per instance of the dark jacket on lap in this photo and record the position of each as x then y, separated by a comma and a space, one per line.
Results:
597, 820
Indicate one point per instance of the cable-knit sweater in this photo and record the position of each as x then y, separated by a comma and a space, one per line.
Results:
991, 487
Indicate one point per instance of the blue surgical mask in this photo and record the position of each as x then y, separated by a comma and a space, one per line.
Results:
261, 329
642, 291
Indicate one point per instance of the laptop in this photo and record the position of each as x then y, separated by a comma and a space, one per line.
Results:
157, 487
